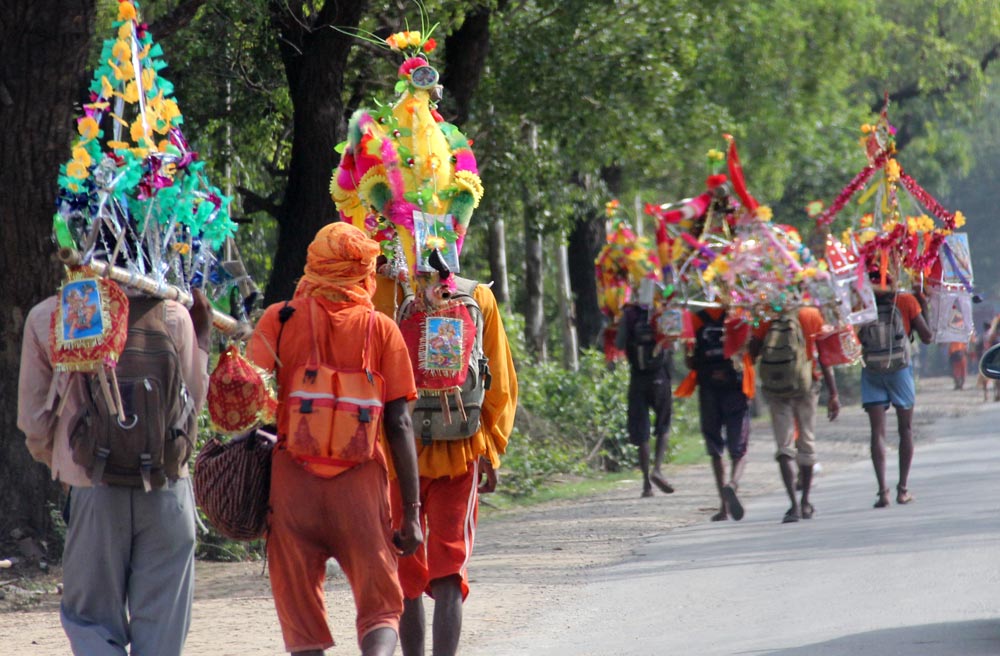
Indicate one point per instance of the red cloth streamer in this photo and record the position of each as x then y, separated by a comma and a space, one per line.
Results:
689, 210
736, 175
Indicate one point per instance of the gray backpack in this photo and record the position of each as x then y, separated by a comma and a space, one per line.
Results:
785, 364
884, 343
428, 414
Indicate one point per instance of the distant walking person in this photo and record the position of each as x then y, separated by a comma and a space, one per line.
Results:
887, 378
959, 360
789, 373
648, 389
723, 406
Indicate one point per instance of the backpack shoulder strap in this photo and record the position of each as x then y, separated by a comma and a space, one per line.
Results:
284, 314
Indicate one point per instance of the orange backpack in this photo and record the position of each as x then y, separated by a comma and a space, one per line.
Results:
334, 415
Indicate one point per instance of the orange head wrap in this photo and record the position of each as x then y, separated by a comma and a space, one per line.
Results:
340, 265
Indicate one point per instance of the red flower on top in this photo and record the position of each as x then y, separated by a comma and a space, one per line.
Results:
429, 45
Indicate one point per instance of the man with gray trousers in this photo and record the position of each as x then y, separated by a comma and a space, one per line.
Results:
128, 562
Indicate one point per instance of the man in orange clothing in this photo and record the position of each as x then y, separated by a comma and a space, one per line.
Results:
793, 405
959, 360
452, 475
887, 377
347, 517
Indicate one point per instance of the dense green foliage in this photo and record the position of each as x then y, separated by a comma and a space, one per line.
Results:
639, 87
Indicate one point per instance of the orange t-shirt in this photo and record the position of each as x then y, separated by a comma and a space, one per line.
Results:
811, 321
908, 307
340, 332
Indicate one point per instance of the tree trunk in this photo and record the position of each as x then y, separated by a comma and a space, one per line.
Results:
571, 361
585, 242
534, 312
464, 59
498, 260
43, 54
314, 56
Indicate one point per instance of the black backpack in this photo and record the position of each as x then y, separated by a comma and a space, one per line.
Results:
157, 438
884, 343
710, 359
642, 350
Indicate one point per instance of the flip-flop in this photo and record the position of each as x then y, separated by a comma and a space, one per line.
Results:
903, 496
807, 510
791, 516
883, 498
732, 502
660, 482
720, 516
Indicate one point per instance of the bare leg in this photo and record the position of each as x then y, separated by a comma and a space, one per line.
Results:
806, 475
380, 642
788, 478
736, 471
719, 470
656, 476
447, 630
647, 487
904, 419
876, 419
412, 627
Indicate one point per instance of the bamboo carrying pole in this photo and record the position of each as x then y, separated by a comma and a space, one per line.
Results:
223, 322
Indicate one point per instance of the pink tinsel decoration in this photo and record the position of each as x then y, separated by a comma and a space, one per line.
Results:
465, 160
401, 214
390, 160
345, 172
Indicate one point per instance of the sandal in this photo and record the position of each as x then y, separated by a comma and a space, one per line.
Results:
903, 497
791, 516
732, 502
720, 516
883, 498
807, 510
660, 482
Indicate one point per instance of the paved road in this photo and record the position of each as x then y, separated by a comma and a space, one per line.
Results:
917, 580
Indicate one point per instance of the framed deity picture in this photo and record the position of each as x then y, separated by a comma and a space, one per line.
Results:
81, 316
435, 225
956, 263
442, 347
857, 302
670, 323
950, 315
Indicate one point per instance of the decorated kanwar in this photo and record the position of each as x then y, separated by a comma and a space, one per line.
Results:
643, 328
409, 179
114, 366
904, 239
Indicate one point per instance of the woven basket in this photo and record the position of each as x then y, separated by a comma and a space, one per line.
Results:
232, 481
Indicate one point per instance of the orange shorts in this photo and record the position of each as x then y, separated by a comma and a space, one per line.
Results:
313, 519
449, 509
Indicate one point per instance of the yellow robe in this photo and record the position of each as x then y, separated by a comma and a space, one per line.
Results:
452, 457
